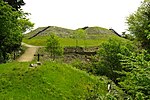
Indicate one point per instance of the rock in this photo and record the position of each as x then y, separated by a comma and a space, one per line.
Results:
33, 65
39, 63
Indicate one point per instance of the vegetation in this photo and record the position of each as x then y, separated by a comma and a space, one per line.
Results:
53, 46
91, 40
139, 23
51, 80
119, 63
135, 78
12, 25
79, 34
92, 36
15, 3
136, 75
62, 32
109, 54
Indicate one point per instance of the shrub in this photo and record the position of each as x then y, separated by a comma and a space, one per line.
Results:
137, 75
53, 46
110, 59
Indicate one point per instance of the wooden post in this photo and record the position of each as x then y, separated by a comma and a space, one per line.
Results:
14, 55
38, 55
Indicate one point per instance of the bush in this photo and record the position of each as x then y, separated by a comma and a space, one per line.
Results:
137, 75
110, 59
53, 46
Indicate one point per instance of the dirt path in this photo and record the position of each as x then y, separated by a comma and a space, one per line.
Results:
28, 54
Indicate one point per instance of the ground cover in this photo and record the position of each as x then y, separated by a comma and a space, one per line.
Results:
51, 80
92, 40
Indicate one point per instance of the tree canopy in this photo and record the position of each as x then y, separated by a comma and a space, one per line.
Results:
139, 23
15, 3
12, 25
136, 77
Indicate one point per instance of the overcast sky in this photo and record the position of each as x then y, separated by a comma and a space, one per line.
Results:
75, 14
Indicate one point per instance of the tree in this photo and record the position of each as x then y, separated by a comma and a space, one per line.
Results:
53, 46
136, 78
139, 24
109, 54
15, 3
12, 25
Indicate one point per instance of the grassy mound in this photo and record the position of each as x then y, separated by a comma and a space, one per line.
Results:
94, 36
50, 29
42, 41
50, 81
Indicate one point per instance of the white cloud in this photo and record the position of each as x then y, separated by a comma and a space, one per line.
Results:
79, 13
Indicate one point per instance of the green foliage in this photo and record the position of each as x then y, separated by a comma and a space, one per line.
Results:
110, 59
139, 23
53, 46
89, 66
128, 36
12, 25
15, 3
137, 75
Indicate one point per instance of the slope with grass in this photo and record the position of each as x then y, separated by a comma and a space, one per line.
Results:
51, 29
52, 80
94, 36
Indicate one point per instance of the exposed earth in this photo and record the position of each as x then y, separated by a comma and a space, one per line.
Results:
29, 53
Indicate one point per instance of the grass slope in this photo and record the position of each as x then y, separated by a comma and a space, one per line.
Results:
95, 36
34, 32
51, 81
51, 29
42, 41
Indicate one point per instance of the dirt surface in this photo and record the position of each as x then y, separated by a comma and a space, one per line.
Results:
29, 53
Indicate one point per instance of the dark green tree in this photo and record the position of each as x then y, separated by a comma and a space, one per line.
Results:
15, 3
109, 54
12, 25
136, 78
139, 24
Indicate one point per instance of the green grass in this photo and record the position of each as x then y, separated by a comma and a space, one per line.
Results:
93, 40
94, 36
51, 81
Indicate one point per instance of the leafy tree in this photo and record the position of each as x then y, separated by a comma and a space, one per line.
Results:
15, 3
12, 25
139, 23
137, 75
53, 46
110, 59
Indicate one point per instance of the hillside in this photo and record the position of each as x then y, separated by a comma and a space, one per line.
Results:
50, 29
52, 80
63, 31
98, 30
94, 36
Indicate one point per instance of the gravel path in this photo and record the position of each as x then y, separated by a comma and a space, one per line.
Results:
29, 53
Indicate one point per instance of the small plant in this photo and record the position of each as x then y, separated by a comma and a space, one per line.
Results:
53, 46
